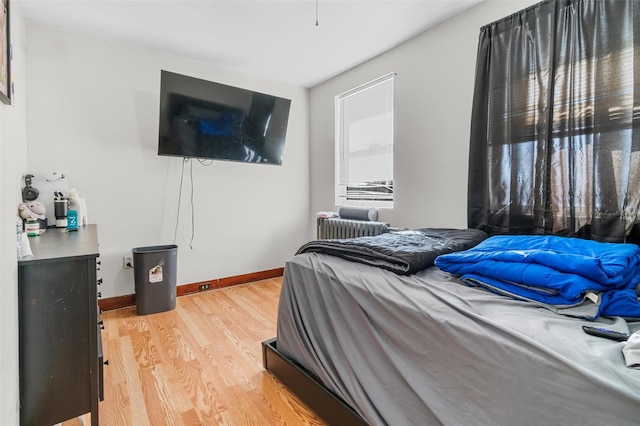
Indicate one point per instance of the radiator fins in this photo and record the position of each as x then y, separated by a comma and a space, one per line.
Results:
332, 228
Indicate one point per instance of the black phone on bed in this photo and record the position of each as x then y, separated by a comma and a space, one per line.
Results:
607, 334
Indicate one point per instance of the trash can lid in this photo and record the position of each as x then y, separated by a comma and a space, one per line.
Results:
152, 249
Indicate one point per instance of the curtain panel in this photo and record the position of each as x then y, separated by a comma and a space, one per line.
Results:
555, 145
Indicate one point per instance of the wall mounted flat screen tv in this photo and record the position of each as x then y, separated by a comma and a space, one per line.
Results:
209, 120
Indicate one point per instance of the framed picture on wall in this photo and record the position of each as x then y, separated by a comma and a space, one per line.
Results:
5, 55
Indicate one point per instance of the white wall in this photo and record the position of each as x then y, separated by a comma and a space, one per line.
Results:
13, 163
433, 96
93, 115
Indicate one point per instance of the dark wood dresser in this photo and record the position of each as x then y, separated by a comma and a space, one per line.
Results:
60, 343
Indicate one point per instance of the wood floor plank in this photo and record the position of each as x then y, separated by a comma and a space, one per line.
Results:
120, 409
199, 364
136, 405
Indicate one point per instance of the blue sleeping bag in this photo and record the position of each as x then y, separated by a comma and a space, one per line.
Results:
555, 271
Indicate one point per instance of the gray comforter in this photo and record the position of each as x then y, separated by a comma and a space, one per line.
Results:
404, 253
425, 349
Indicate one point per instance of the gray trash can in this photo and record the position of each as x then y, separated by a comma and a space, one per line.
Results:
155, 271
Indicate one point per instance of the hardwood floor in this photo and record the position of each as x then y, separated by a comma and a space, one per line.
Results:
199, 364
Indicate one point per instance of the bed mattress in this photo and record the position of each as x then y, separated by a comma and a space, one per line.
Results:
426, 349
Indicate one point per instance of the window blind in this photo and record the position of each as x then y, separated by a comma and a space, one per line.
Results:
364, 144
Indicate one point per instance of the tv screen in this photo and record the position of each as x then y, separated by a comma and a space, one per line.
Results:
208, 120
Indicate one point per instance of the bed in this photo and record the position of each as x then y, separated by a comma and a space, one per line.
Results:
364, 344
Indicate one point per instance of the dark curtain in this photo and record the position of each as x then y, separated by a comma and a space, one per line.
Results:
555, 145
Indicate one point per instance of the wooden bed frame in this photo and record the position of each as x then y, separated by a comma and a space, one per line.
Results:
310, 390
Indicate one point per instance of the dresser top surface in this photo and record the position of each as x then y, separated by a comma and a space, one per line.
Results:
58, 243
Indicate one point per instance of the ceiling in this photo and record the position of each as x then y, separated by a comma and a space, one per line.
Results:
276, 40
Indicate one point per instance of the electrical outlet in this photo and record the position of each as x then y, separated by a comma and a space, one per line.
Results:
205, 286
127, 262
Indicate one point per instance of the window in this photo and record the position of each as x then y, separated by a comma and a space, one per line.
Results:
364, 145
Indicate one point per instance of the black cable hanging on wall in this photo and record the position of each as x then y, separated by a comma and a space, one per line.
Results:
175, 232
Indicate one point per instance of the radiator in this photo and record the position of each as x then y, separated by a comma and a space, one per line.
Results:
349, 228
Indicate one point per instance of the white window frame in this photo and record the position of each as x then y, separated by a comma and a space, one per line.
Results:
377, 153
